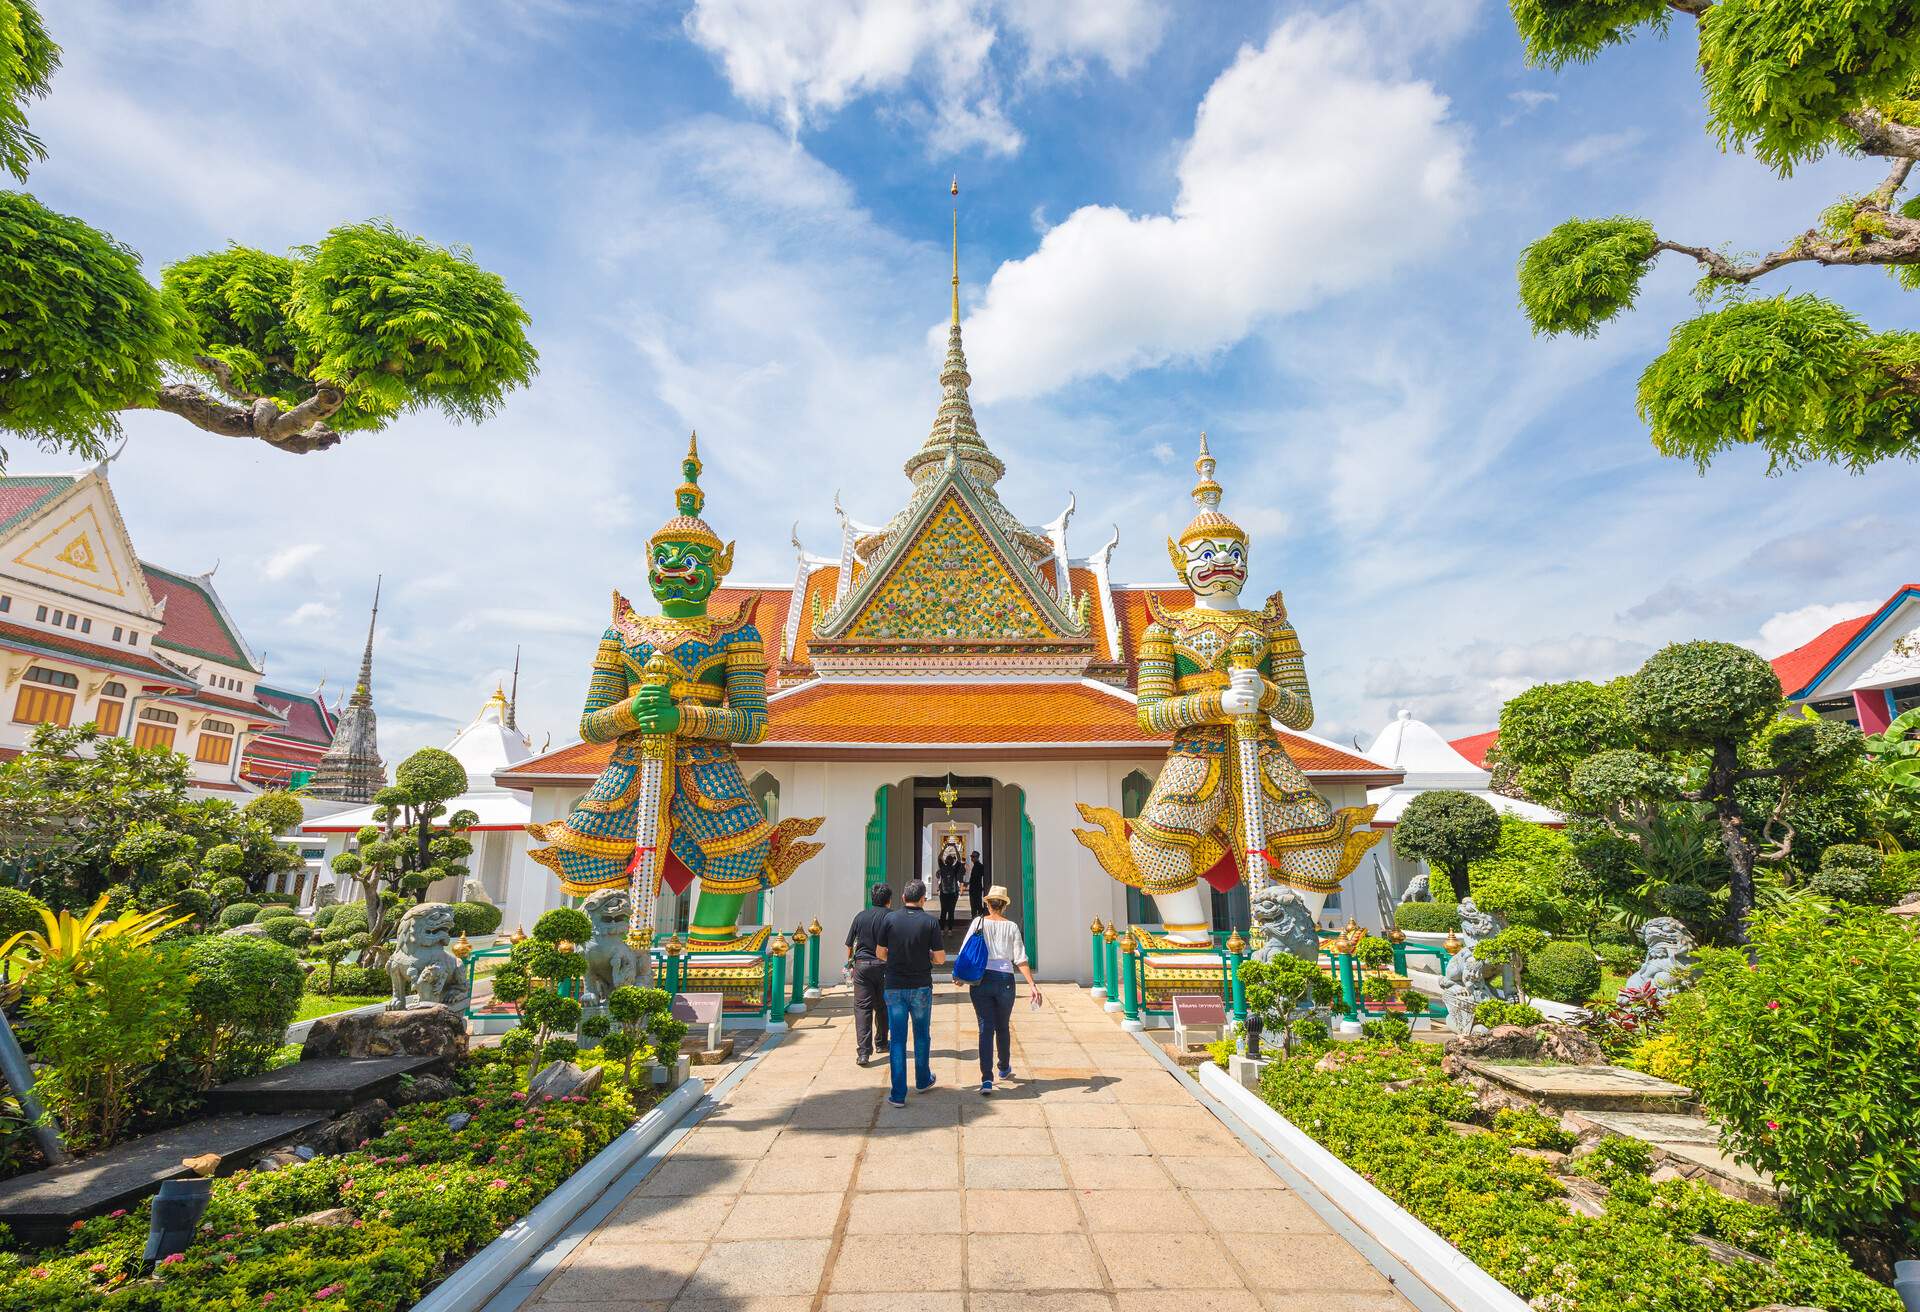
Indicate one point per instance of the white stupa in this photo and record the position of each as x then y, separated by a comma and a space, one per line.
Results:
491, 742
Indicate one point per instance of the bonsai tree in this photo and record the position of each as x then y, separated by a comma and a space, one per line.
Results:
1449, 831
1681, 779
1278, 991
405, 852
293, 350
537, 970
1799, 376
638, 1026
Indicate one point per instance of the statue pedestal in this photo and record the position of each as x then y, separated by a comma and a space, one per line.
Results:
1246, 1070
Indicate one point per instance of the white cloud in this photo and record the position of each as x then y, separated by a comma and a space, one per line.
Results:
806, 62
1462, 692
1600, 146
312, 615
1060, 35
287, 560
1532, 100
1305, 161
1788, 629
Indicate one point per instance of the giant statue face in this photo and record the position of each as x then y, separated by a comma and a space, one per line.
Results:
682, 574
1215, 566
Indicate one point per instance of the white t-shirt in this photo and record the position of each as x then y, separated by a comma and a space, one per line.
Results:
1006, 945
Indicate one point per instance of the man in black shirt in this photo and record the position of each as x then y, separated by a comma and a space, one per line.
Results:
867, 973
911, 946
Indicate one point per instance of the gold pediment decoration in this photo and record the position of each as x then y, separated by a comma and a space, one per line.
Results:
949, 584
79, 554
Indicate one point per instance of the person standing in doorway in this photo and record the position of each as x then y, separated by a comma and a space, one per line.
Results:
977, 888
911, 946
867, 974
993, 994
950, 876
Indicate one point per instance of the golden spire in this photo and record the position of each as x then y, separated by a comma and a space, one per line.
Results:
1208, 522
955, 191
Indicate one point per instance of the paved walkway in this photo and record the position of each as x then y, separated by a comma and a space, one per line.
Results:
1094, 1183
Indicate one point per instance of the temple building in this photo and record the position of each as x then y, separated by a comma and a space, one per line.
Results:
1864, 670
946, 669
489, 744
90, 632
287, 755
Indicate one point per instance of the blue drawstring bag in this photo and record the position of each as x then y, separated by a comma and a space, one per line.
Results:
971, 964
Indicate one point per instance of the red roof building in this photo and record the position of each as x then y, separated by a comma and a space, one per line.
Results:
1864, 670
89, 632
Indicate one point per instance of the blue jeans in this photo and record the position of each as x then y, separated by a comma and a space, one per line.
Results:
904, 1005
993, 1007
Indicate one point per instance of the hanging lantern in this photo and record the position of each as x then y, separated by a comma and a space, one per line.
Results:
949, 795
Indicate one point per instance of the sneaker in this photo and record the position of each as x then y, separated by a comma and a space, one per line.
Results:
924, 1087
986, 1088
861, 1061
901, 1104
1006, 1074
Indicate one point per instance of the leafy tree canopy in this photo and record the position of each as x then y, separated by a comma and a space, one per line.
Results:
296, 350
1448, 830
1797, 376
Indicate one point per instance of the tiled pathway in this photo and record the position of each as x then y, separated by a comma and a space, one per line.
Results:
1094, 1183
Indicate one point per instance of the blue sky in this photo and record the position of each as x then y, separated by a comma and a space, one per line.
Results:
1293, 225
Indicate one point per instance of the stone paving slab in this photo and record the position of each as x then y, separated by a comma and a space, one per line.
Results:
1587, 1086
1092, 1182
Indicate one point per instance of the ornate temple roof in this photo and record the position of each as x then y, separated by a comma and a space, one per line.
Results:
197, 623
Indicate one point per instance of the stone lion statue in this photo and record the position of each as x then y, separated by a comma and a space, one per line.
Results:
421, 964
611, 961
1419, 888
1467, 981
1669, 957
1284, 924
474, 891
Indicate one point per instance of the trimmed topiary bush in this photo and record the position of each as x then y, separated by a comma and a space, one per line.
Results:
1620, 958
1427, 917
349, 918
476, 917
240, 913
266, 913
245, 992
291, 930
348, 981
1563, 972
1495, 1012
324, 916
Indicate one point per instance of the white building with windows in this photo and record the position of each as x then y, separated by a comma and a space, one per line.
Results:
90, 632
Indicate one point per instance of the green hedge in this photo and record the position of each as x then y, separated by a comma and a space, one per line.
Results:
239, 913
1383, 1109
349, 918
19, 911
422, 1196
348, 981
291, 930
1563, 972
275, 912
1426, 917
476, 917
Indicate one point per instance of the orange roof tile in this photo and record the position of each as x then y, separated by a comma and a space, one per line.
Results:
1130, 605
116, 658
1052, 715
820, 586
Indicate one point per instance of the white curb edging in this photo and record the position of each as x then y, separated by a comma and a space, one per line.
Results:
490, 1270
1444, 1269
298, 1031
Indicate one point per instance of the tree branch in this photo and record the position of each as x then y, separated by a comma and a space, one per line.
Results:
1880, 135
1694, 7
1899, 244
299, 430
223, 376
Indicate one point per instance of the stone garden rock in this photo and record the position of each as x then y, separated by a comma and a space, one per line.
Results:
422, 1030
1558, 1045
344, 1133
562, 1079
459, 1121
245, 931
425, 1088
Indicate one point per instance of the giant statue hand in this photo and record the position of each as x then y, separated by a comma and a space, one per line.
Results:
1242, 696
654, 709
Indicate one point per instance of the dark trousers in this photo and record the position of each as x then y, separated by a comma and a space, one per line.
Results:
947, 902
869, 1007
993, 1008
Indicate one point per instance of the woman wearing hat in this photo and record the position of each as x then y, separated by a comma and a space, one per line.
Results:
993, 994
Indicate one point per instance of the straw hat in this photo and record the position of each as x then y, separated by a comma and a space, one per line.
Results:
998, 893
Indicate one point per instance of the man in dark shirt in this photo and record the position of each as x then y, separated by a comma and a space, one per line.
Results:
977, 887
911, 946
867, 974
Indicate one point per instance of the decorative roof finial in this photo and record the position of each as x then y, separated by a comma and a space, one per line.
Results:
1206, 493
366, 657
687, 526
955, 190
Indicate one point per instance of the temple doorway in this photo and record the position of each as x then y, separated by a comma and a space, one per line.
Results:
913, 826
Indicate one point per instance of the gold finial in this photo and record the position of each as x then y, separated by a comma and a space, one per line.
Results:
1206, 492
1098, 928
463, 949
778, 947
814, 930
1235, 944
955, 190
675, 947
1452, 944
519, 933
693, 446
1113, 935
800, 935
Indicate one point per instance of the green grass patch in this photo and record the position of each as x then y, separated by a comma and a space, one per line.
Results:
315, 1005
